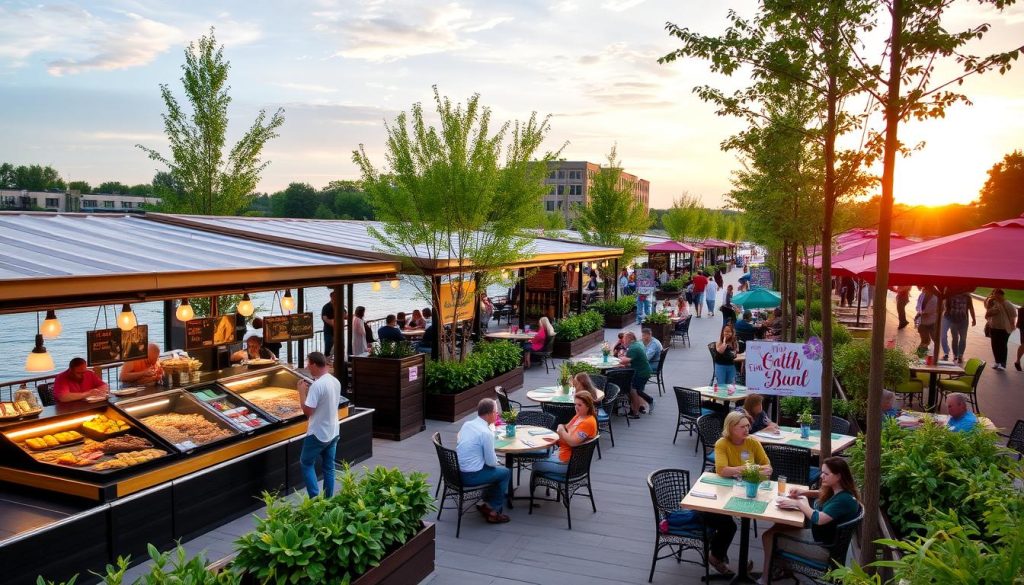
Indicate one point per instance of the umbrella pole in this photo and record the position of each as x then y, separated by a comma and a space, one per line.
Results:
860, 287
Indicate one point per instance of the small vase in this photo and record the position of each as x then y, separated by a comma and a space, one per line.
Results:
605, 358
565, 389
752, 488
510, 430
805, 431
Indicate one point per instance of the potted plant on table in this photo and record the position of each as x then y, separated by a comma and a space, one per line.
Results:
509, 417
806, 420
606, 350
751, 477
564, 378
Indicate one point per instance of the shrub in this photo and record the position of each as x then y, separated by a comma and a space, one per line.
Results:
852, 363
657, 318
392, 349
487, 360
840, 334
576, 326
674, 285
815, 309
792, 406
181, 570
625, 304
335, 540
576, 367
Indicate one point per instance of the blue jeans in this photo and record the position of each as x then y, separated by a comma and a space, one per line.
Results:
643, 308
550, 465
958, 333
710, 300
497, 477
725, 374
313, 449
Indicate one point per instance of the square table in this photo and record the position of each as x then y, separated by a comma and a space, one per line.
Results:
791, 436
934, 371
710, 482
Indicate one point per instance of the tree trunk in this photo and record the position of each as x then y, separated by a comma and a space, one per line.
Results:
793, 270
831, 104
784, 286
872, 454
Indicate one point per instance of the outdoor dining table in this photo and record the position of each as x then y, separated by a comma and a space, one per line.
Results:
413, 333
555, 394
599, 363
911, 417
934, 371
510, 336
791, 436
723, 497
528, 438
723, 396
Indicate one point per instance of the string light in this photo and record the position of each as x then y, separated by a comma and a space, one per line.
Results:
245, 307
51, 326
126, 321
287, 302
39, 360
394, 283
184, 312
375, 287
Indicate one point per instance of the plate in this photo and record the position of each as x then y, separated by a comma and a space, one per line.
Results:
95, 399
126, 391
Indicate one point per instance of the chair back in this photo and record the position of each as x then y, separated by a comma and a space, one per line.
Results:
709, 430
549, 345
790, 461
502, 399
844, 534
977, 375
611, 394
46, 394
1016, 440
563, 413
536, 418
667, 487
688, 400
839, 425
599, 380
579, 460
661, 362
621, 377
746, 335
972, 366
684, 325
448, 459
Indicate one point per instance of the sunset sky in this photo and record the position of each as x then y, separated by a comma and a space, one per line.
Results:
79, 85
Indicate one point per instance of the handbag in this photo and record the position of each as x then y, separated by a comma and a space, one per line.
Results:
988, 330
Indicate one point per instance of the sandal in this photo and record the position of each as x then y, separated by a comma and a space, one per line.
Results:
497, 518
484, 509
720, 566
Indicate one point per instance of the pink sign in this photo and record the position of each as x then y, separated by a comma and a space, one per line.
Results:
784, 369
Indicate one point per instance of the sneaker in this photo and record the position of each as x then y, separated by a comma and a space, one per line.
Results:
999, 367
720, 566
650, 407
945, 357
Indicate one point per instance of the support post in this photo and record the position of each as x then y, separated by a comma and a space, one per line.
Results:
522, 297
579, 288
615, 276
302, 342
560, 292
435, 294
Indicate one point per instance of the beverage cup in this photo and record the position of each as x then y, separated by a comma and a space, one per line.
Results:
782, 485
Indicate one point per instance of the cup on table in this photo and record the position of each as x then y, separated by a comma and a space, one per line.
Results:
782, 485
928, 360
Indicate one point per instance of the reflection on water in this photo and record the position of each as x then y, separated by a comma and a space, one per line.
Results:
17, 332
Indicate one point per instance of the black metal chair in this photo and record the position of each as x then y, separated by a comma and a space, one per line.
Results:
562, 412
1015, 440
568, 484
599, 380
711, 350
604, 414
839, 425
682, 330
709, 430
658, 378
534, 418
46, 394
668, 487
507, 403
544, 354
451, 479
623, 378
815, 569
689, 411
790, 461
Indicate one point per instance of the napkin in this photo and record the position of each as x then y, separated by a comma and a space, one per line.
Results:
699, 493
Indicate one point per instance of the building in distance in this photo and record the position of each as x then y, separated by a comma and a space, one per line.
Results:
569, 182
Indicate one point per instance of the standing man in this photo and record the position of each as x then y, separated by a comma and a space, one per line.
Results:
927, 313
319, 402
700, 282
636, 358
902, 300
954, 320
710, 296
478, 465
327, 315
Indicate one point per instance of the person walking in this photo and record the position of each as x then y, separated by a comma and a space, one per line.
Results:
319, 402
327, 316
927, 312
954, 320
902, 300
999, 324
700, 282
710, 296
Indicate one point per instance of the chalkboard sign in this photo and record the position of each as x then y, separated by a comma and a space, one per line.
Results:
761, 278
210, 332
108, 346
543, 279
282, 328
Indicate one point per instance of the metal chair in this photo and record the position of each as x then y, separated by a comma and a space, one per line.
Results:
811, 568
46, 394
790, 461
568, 484
507, 403
689, 411
452, 481
709, 430
682, 330
966, 384
909, 389
668, 487
658, 379
1015, 440
563, 413
604, 414
534, 418
545, 353
839, 425
711, 350
623, 378
599, 380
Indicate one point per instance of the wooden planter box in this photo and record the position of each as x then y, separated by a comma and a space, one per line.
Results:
663, 295
567, 349
662, 331
452, 407
620, 321
394, 389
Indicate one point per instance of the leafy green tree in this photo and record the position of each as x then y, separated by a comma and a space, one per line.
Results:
323, 212
210, 182
1002, 196
141, 190
552, 222
113, 187
297, 200
7, 178
82, 187
32, 177
348, 200
457, 191
680, 220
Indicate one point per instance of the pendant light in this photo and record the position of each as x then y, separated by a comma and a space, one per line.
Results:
245, 307
185, 312
287, 302
375, 287
51, 326
395, 283
504, 274
39, 360
126, 320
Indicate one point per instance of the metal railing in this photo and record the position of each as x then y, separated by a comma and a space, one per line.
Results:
111, 374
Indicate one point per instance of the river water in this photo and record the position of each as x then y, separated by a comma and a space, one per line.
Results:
17, 332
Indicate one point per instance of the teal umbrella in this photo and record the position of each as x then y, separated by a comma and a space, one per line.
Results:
758, 298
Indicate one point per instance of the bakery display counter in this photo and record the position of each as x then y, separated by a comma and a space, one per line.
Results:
244, 417
181, 419
274, 390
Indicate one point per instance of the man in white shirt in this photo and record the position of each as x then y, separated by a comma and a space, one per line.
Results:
478, 463
319, 402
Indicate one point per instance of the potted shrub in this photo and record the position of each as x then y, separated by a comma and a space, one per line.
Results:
750, 475
670, 289
564, 378
509, 418
390, 380
660, 326
852, 362
790, 408
454, 388
576, 333
806, 420
617, 313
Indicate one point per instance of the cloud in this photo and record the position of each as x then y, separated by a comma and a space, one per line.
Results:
308, 87
123, 136
621, 5
138, 43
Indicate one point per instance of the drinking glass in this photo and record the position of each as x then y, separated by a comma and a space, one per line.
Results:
782, 485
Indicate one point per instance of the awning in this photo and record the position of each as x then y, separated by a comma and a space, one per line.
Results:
672, 247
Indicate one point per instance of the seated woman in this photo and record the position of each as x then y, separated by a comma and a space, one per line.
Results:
725, 356
253, 350
834, 503
581, 382
620, 346
580, 429
682, 307
401, 320
544, 330
417, 321
753, 407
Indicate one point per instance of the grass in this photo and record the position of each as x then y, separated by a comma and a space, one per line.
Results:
1014, 296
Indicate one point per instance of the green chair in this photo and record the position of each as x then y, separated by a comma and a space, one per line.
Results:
966, 384
909, 389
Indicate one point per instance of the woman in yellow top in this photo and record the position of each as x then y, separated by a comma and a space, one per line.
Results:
736, 447
580, 429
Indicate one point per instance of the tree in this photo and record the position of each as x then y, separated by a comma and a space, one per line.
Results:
298, 200
141, 190
210, 184
82, 187
114, 187
348, 200
680, 221
323, 212
1002, 196
7, 178
551, 222
456, 191
32, 177
614, 217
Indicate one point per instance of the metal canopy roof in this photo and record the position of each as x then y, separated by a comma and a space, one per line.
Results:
49, 260
353, 238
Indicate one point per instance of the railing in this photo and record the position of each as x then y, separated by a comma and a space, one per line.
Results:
110, 373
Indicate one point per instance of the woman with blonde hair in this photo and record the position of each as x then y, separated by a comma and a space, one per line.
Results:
545, 330
736, 447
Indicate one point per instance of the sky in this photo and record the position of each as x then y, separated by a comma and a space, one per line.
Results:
79, 85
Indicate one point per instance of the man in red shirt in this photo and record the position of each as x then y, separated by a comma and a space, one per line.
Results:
78, 382
700, 282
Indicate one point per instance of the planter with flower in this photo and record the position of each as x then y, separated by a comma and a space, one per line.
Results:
806, 420
565, 378
751, 477
606, 350
509, 418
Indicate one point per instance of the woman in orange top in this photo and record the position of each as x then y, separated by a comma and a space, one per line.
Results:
580, 429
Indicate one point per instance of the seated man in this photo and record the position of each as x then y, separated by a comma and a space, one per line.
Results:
478, 463
426, 344
652, 347
745, 329
390, 331
961, 418
889, 409
78, 382
147, 371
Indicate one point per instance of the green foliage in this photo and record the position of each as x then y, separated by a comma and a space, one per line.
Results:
509, 417
487, 360
674, 285
791, 406
751, 472
1000, 196
840, 333
167, 569
801, 305
657, 318
852, 363
335, 540
297, 200
576, 326
225, 305
573, 368
625, 304
392, 349
844, 408
210, 183
30, 177
805, 418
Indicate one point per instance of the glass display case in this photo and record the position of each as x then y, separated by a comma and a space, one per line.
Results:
242, 415
273, 390
91, 444
180, 419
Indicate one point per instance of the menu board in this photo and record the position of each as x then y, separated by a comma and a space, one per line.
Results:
282, 328
210, 332
761, 278
541, 280
108, 346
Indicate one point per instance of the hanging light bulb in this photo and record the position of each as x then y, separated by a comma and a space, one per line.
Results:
184, 312
504, 274
51, 326
395, 283
39, 360
375, 287
245, 307
126, 320
287, 302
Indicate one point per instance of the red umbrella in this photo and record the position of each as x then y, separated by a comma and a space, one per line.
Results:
672, 246
860, 248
